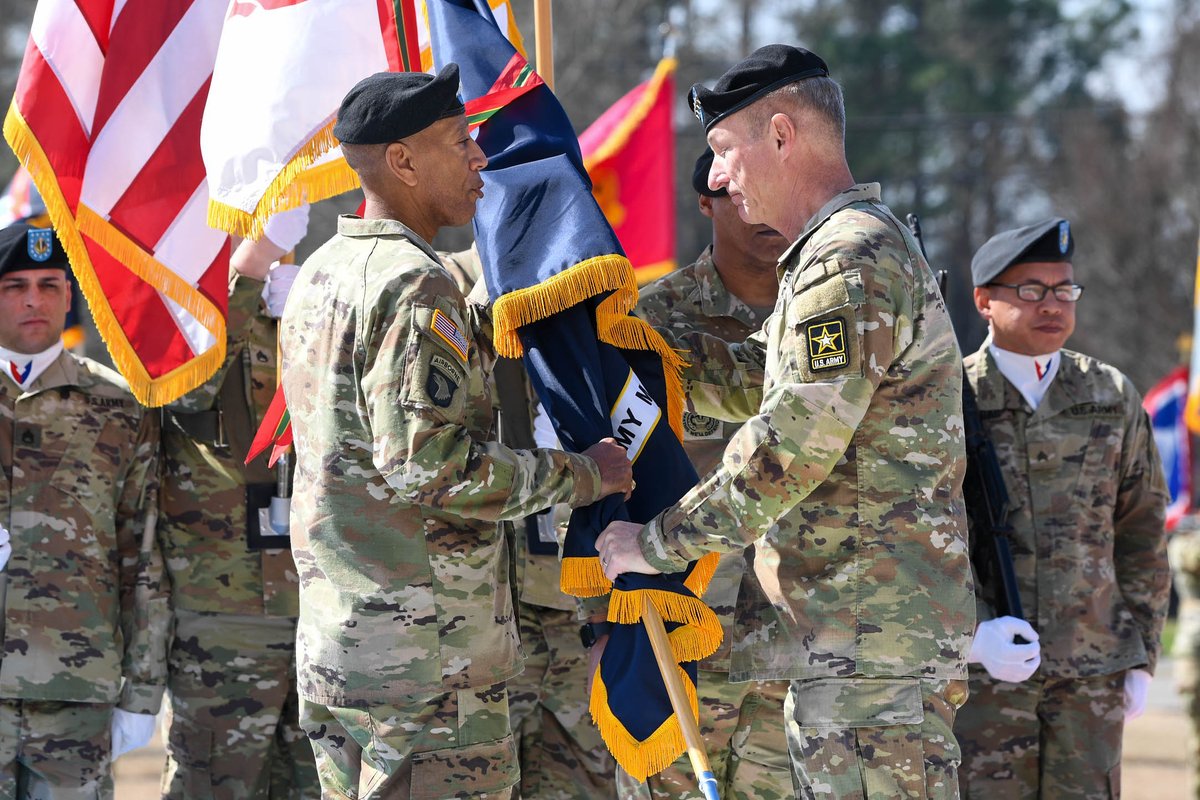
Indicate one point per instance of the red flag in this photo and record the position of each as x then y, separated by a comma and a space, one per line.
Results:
629, 153
276, 429
106, 117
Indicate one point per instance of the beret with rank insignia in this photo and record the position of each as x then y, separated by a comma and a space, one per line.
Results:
1047, 241
758, 74
388, 106
23, 246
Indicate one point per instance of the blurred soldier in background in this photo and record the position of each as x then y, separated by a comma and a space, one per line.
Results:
728, 292
84, 612
233, 725
1184, 554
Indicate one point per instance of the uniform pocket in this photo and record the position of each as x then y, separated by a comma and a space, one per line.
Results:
858, 703
464, 771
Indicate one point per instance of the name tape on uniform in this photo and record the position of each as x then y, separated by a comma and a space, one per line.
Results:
634, 417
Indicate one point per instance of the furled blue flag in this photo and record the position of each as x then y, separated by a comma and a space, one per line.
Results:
1164, 404
562, 289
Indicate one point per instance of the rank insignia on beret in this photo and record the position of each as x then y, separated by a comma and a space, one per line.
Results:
826, 344
696, 107
40, 244
1064, 236
448, 331
440, 383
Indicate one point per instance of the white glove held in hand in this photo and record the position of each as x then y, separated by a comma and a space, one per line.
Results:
130, 731
287, 228
5, 547
1137, 687
994, 649
279, 284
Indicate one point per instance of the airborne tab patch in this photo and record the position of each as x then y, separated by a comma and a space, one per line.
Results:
447, 330
826, 344
442, 381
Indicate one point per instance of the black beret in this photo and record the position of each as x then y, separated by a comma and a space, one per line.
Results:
23, 246
1049, 240
700, 175
763, 71
391, 105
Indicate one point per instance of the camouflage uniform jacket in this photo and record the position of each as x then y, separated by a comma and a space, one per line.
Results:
1183, 550
86, 611
695, 299
851, 471
203, 499
1088, 508
404, 575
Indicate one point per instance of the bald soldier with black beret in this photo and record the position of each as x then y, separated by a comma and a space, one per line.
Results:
407, 631
1088, 508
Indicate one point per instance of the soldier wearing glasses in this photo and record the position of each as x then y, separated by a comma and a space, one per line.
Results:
1088, 500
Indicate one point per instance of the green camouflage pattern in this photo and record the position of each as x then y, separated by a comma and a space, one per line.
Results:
562, 754
1183, 552
869, 738
455, 745
203, 522
55, 751
850, 471
1045, 737
86, 612
1087, 504
695, 299
743, 729
404, 573
233, 728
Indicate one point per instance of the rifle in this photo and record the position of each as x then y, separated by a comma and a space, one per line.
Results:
985, 494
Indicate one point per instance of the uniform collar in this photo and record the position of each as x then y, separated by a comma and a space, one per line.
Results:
858, 193
715, 299
62, 371
993, 392
356, 227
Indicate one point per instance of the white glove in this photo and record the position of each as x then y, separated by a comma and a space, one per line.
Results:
279, 284
993, 647
130, 731
287, 228
1137, 686
5, 547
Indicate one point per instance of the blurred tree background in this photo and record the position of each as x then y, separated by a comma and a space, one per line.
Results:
978, 115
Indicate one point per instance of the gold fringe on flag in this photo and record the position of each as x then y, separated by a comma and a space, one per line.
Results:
700, 633
148, 390
640, 758
583, 577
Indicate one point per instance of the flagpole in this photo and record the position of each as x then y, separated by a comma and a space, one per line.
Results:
543, 35
679, 701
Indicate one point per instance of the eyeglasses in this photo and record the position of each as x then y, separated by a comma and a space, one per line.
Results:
1034, 292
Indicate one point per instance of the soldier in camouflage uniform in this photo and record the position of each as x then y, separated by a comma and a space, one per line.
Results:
1087, 506
407, 631
561, 753
849, 467
1184, 554
728, 292
233, 714
85, 614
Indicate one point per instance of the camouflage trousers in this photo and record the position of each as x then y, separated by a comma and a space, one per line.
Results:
233, 728
562, 754
1187, 671
1046, 737
742, 726
454, 745
859, 738
55, 751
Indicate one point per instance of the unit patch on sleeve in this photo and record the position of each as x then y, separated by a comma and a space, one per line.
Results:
442, 381
698, 426
447, 330
827, 344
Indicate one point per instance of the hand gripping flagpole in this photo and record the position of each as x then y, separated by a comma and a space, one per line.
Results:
679, 701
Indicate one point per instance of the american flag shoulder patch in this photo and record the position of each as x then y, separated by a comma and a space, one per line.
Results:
449, 332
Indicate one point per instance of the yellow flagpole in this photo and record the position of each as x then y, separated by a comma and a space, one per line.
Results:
543, 35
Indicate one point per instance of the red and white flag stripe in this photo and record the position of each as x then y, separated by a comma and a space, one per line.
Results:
106, 117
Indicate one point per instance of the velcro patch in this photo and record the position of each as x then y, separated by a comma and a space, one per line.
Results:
827, 348
447, 330
442, 381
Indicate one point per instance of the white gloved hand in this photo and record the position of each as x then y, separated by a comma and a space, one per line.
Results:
130, 731
1137, 687
5, 547
287, 228
1004, 660
279, 284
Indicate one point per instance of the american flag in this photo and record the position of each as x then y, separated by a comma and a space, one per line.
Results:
106, 118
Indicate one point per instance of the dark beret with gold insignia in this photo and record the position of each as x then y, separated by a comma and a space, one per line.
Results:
391, 105
700, 176
1047, 241
23, 246
762, 72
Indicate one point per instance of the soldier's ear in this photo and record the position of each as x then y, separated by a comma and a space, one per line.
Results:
706, 205
782, 132
983, 302
400, 158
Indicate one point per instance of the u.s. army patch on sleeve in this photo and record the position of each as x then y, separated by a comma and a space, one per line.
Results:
827, 349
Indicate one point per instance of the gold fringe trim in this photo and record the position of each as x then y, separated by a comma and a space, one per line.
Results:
700, 634
654, 754
702, 573
290, 188
149, 391
583, 577
620, 137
